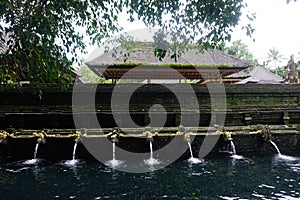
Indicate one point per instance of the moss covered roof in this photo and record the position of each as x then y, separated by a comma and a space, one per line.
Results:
143, 53
112, 65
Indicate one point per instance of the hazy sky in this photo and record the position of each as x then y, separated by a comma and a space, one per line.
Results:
276, 25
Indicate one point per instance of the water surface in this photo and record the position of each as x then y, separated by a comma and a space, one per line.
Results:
227, 178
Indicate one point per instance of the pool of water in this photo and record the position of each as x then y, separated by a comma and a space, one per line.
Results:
226, 178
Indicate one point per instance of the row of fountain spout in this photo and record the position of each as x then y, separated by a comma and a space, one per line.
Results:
41, 136
116, 133
262, 130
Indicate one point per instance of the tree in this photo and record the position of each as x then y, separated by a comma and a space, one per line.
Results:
239, 50
88, 75
275, 57
280, 71
43, 32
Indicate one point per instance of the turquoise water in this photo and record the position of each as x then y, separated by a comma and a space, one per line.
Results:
225, 178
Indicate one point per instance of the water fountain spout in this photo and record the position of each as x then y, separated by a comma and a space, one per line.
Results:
34, 160
76, 140
40, 136
267, 137
39, 140
149, 136
265, 132
192, 159
114, 162
227, 136
3, 137
73, 162
114, 139
114, 135
181, 130
151, 160
187, 137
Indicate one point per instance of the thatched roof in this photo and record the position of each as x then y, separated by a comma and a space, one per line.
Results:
111, 65
240, 74
261, 75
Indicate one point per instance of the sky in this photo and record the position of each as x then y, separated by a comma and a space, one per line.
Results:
276, 25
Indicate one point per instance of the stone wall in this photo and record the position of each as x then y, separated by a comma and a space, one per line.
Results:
246, 105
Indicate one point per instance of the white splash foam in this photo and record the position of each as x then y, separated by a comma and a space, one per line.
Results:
238, 157
193, 160
31, 161
285, 157
114, 163
72, 162
152, 161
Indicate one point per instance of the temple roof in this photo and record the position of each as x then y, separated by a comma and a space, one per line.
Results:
192, 64
260, 74
240, 74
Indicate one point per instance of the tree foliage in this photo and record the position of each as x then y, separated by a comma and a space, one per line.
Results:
88, 76
41, 33
280, 71
274, 56
239, 50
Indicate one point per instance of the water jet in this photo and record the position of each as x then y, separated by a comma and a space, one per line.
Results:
151, 160
192, 159
228, 138
34, 160
113, 136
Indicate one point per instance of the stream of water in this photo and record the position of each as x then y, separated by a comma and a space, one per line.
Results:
72, 162
234, 155
114, 162
285, 157
151, 160
275, 146
233, 148
192, 159
34, 160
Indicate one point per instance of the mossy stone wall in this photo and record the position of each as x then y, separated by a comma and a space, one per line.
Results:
245, 105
